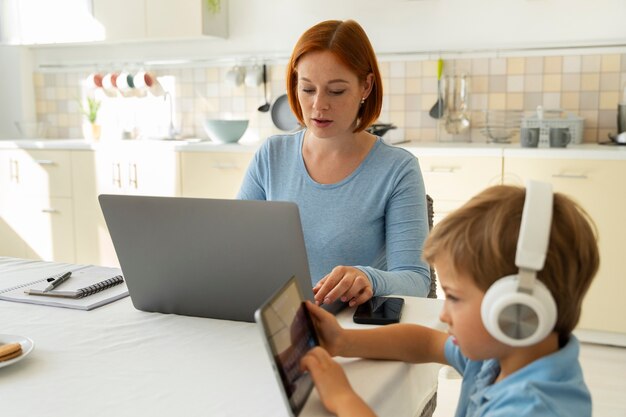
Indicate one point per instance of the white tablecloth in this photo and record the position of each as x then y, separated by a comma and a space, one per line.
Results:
119, 361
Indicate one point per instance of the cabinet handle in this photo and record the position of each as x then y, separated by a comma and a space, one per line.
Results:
224, 166
116, 173
44, 162
14, 171
49, 210
571, 176
442, 170
132, 175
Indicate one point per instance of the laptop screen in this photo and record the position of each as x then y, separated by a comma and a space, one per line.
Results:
289, 334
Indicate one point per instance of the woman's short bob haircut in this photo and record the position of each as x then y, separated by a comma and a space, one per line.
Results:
349, 43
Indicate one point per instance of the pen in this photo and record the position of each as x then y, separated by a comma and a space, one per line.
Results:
58, 281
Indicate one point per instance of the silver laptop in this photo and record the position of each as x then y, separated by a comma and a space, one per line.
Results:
201, 257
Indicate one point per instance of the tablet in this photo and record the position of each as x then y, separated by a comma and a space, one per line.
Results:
288, 334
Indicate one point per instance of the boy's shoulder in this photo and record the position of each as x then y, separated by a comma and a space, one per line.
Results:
550, 386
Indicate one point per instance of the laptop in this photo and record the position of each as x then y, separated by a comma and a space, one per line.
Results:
212, 258
288, 334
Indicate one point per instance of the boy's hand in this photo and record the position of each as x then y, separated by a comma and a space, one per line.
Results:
347, 283
332, 384
328, 329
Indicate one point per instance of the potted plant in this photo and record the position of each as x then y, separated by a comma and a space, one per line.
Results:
91, 130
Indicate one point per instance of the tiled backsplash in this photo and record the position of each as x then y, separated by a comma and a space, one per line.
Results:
589, 86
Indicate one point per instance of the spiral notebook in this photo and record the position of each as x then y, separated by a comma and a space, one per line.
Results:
89, 287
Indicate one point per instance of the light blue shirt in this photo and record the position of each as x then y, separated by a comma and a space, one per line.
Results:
550, 386
374, 219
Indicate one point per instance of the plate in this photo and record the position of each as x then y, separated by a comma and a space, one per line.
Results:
282, 116
27, 347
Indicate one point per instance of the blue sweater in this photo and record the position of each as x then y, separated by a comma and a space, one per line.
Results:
375, 219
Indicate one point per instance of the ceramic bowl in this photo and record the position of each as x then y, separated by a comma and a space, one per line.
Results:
225, 131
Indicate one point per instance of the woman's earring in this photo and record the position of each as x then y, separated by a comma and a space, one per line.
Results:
362, 101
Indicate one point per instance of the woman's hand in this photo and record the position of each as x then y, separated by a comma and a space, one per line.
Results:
347, 283
332, 384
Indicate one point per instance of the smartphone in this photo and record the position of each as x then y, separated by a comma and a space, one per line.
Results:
379, 310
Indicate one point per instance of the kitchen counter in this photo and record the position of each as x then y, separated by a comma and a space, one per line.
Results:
582, 151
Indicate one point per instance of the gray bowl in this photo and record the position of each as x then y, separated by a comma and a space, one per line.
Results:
225, 131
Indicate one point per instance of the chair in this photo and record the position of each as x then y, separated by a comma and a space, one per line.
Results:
433, 276
430, 406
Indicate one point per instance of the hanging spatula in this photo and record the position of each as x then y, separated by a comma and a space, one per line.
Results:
436, 112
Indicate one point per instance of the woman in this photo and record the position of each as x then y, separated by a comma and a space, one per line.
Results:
362, 202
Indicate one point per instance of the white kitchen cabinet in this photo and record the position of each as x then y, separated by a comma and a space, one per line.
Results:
594, 183
136, 170
128, 20
452, 180
36, 210
213, 174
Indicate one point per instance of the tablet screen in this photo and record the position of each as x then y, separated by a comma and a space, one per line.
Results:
289, 335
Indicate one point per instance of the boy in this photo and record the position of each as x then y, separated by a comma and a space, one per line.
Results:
473, 248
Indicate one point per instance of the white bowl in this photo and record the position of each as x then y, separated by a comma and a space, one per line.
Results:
225, 131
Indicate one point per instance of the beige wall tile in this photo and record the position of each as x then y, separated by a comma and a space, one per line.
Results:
479, 84
480, 66
570, 82
414, 69
479, 101
553, 65
429, 85
533, 83
572, 64
515, 66
591, 118
497, 66
552, 82
534, 65
497, 83
591, 63
497, 101
609, 100
589, 100
397, 69
427, 101
515, 84
570, 101
515, 101
412, 103
396, 86
610, 81
590, 82
413, 85
610, 63
413, 120
429, 68
396, 103
551, 100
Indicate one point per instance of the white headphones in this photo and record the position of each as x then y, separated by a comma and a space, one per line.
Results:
519, 310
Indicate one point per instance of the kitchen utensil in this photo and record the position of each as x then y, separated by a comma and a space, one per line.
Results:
379, 129
225, 131
619, 139
436, 111
455, 104
499, 126
559, 137
94, 80
264, 107
282, 116
621, 118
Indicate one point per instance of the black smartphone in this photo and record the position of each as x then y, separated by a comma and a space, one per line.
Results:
379, 310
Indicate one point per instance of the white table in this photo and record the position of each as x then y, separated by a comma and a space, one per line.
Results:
119, 361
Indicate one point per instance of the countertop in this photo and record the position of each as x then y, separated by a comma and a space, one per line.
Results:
582, 151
